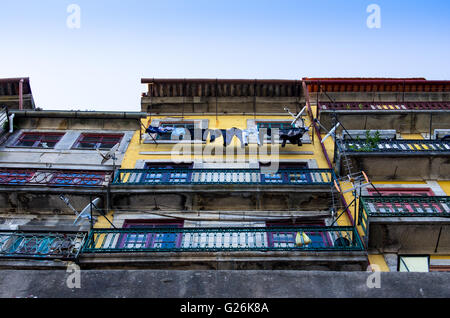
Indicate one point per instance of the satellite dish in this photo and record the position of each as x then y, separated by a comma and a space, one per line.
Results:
109, 155
86, 212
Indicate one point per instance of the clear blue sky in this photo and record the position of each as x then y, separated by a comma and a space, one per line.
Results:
99, 66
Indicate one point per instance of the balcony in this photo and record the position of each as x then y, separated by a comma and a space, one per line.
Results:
226, 248
413, 224
291, 177
386, 106
404, 117
41, 245
220, 239
184, 189
393, 159
53, 178
406, 147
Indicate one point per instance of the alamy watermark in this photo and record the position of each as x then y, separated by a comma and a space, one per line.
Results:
374, 279
374, 19
74, 278
74, 19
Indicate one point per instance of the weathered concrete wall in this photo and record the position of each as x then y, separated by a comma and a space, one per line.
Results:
222, 284
225, 105
62, 156
407, 122
44, 203
413, 236
385, 167
228, 200
381, 96
246, 260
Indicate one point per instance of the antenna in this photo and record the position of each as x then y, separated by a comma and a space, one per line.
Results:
331, 132
296, 117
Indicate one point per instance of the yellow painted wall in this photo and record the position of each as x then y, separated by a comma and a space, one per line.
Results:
412, 136
380, 261
227, 122
223, 122
445, 185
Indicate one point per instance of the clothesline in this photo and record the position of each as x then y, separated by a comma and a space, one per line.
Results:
293, 135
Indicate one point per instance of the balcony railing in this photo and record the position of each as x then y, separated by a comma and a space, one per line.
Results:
222, 239
53, 177
222, 177
43, 246
395, 146
402, 206
386, 106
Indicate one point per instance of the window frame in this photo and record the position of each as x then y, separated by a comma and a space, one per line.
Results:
198, 124
79, 140
174, 124
326, 239
166, 177
149, 238
411, 256
37, 142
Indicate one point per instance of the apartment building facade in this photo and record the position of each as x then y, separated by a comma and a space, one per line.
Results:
397, 132
314, 174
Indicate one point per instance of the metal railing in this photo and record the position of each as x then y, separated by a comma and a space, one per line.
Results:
221, 239
53, 177
222, 176
43, 246
420, 206
3, 120
386, 106
395, 146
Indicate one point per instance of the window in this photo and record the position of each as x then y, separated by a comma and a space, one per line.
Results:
150, 240
38, 140
169, 176
439, 264
273, 125
287, 177
413, 263
423, 192
168, 136
287, 239
97, 141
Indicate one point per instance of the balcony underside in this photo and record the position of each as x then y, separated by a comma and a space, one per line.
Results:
395, 166
333, 261
231, 198
46, 201
405, 121
409, 235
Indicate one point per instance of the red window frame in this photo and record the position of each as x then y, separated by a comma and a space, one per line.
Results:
38, 140
418, 192
98, 142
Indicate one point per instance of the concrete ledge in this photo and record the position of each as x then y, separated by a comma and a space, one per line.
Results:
222, 284
333, 260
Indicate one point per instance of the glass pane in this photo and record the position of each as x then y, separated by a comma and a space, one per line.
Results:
413, 264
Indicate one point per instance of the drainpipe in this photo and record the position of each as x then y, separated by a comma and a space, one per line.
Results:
11, 125
305, 89
21, 94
